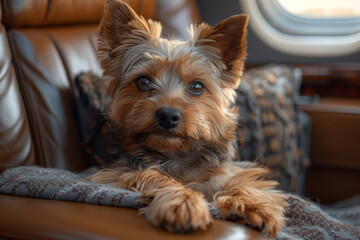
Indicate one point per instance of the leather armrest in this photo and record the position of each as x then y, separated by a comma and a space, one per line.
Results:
30, 218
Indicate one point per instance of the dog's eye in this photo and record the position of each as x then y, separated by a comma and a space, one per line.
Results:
143, 83
196, 88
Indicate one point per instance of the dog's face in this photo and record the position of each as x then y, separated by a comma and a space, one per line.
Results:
170, 95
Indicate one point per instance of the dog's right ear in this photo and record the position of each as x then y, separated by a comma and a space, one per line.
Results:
121, 28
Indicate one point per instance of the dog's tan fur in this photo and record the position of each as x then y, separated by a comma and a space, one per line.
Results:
177, 169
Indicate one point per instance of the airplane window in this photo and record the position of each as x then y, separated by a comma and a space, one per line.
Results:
322, 8
308, 28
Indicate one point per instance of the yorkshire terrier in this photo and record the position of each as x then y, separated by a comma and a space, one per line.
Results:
172, 107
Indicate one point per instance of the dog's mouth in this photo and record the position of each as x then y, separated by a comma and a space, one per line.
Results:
162, 141
168, 135
162, 135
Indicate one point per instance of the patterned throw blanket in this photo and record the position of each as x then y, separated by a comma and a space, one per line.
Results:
305, 220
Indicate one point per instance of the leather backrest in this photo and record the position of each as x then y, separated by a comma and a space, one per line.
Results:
47, 60
16, 143
35, 13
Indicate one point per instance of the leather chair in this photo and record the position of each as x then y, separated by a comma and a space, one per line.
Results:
43, 45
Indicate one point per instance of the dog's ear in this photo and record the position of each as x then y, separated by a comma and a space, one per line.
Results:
119, 29
228, 36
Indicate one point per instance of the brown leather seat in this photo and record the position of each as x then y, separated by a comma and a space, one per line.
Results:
43, 45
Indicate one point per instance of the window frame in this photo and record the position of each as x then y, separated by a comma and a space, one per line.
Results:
299, 36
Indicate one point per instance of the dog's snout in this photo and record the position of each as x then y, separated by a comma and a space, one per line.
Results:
168, 118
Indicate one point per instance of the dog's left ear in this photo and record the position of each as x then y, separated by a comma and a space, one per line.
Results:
228, 36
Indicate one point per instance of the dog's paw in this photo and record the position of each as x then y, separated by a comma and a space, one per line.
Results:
263, 211
176, 209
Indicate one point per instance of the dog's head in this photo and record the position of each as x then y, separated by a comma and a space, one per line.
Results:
170, 95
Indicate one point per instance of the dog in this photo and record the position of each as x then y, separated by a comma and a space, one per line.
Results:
172, 109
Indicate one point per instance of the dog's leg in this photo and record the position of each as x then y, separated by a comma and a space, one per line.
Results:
249, 199
168, 203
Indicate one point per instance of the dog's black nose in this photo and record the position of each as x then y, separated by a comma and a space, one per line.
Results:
168, 118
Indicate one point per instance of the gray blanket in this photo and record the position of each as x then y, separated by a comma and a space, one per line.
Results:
305, 220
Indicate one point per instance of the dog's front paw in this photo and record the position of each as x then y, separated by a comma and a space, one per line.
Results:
263, 211
176, 209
